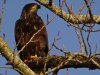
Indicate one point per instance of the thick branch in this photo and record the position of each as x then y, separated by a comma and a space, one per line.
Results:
13, 59
82, 19
76, 61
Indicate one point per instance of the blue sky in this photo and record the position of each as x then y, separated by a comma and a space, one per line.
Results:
12, 12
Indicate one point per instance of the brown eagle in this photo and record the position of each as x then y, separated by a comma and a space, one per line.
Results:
29, 27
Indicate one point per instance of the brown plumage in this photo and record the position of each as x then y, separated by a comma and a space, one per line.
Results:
28, 25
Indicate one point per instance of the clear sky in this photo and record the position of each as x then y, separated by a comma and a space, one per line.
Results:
68, 37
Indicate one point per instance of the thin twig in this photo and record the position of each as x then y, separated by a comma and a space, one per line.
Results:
56, 38
64, 51
7, 67
89, 9
6, 73
69, 9
80, 10
56, 68
85, 47
80, 40
95, 63
96, 49
1, 13
89, 44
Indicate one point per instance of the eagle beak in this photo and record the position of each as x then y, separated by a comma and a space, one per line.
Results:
38, 6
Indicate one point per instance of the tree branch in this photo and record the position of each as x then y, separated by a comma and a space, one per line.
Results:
76, 61
82, 19
59, 62
13, 59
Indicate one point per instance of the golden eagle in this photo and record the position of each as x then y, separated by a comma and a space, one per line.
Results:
31, 34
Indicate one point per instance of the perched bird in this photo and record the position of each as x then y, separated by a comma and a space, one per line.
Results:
29, 27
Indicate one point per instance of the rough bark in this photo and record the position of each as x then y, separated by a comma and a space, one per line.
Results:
82, 19
76, 61
13, 59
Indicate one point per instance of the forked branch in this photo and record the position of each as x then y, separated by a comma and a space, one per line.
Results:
82, 19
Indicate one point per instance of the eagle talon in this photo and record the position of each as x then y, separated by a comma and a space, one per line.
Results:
33, 57
25, 61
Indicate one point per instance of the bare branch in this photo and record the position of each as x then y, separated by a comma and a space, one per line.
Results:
80, 10
89, 9
9, 67
70, 61
82, 19
90, 51
85, 47
11, 57
78, 33
2, 11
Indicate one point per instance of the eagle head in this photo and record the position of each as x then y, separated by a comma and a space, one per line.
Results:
30, 9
